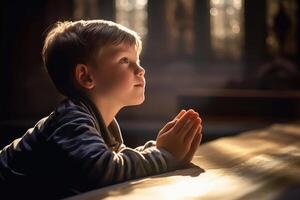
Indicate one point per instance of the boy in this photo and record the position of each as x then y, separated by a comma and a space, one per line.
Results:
79, 146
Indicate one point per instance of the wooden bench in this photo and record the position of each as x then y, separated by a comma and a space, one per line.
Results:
259, 164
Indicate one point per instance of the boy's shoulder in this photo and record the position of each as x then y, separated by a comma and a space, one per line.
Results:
71, 108
70, 111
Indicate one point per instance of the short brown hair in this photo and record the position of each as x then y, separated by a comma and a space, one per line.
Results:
69, 43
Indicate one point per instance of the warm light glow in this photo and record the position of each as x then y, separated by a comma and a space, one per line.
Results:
226, 19
133, 14
236, 29
237, 4
213, 11
180, 19
222, 182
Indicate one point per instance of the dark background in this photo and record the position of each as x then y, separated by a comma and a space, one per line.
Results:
236, 83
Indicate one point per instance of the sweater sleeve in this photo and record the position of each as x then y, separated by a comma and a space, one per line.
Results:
100, 166
148, 144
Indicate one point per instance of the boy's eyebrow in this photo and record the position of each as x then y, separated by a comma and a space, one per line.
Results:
117, 51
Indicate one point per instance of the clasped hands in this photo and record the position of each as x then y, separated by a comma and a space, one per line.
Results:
181, 136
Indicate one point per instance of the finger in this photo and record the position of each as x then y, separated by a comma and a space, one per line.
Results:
180, 114
170, 124
196, 113
186, 129
188, 137
167, 127
183, 120
200, 130
194, 146
200, 119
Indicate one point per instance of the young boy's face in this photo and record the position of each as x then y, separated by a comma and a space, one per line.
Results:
119, 76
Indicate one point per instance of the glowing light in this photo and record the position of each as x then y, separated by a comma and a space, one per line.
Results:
216, 2
236, 29
140, 4
237, 4
213, 11
133, 14
226, 27
230, 11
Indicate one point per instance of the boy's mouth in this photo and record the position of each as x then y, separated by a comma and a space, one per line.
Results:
141, 84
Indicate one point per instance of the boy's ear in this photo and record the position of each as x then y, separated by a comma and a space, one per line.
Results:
83, 76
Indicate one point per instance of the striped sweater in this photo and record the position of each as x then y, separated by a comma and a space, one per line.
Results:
72, 151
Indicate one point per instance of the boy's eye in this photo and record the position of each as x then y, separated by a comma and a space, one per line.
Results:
124, 60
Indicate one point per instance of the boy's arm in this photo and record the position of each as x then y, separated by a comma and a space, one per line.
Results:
150, 143
99, 166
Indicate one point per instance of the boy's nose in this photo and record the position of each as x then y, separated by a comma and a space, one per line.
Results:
140, 71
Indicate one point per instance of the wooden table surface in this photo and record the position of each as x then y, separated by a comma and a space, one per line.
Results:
259, 164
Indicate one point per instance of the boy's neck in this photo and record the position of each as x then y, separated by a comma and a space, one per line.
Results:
107, 109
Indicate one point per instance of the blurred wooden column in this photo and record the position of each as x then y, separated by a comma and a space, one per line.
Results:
202, 31
156, 48
107, 9
298, 33
255, 34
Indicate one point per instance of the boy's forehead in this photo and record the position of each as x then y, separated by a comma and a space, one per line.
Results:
114, 50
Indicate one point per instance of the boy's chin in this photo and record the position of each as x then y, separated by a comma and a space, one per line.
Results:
137, 102
140, 101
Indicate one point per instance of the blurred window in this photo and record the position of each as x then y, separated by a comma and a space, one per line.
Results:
227, 33
133, 14
180, 26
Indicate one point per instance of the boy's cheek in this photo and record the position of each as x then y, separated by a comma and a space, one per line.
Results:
125, 82
104, 87
116, 84
120, 87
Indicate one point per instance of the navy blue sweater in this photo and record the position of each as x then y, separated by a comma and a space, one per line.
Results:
72, 151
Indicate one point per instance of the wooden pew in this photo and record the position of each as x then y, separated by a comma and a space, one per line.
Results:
259, 164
